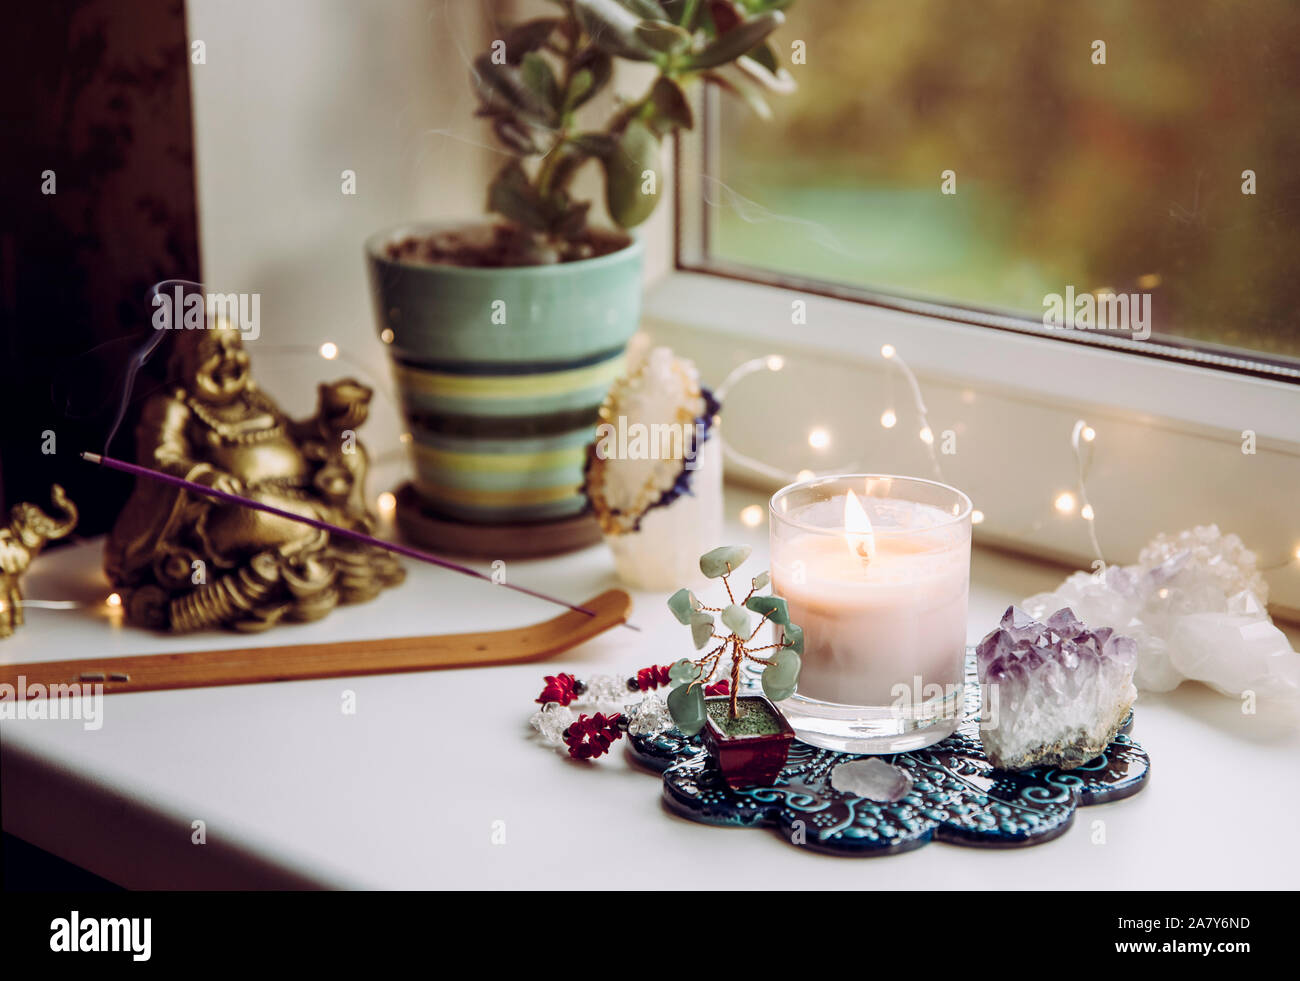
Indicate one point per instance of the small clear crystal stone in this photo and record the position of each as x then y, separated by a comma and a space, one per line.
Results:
605, 691
871, 778
650, 717
551, 720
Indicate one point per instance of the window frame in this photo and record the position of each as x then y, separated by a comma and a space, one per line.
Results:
694, 156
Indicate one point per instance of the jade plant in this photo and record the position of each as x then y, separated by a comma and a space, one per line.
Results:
533, 82
689, 677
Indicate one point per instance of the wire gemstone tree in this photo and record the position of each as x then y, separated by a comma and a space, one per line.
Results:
780, 670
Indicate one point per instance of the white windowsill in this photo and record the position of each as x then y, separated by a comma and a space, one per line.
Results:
296, 793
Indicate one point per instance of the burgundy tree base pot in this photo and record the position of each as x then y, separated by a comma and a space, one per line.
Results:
748, 759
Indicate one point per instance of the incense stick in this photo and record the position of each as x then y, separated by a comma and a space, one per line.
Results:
404, 550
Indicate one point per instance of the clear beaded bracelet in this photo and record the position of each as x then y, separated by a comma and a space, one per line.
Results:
585, 737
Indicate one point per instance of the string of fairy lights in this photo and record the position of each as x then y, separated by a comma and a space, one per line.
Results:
1064, 502
819, 438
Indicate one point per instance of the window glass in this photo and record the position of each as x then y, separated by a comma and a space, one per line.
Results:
998, 154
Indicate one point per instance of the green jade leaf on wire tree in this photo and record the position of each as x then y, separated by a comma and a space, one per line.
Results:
690, 677
533, 81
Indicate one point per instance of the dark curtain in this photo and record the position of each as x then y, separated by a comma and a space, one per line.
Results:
96, 100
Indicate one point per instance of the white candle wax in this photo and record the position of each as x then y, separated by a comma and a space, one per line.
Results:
870, 626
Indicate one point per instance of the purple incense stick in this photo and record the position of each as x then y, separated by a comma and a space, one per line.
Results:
357, 536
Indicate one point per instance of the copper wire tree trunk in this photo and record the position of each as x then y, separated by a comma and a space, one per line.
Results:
735, 676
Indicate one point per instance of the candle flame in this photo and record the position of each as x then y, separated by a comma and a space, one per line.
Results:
857, 529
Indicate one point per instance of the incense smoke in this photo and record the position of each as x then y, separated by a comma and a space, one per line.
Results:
140, 357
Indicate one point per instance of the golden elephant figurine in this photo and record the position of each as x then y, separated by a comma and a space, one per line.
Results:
28, 531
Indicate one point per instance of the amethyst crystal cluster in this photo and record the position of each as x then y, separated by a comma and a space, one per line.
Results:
1056, 693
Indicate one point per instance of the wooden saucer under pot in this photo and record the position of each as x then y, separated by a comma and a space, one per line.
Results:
422, 526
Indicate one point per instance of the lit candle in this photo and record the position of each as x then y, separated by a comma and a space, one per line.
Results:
876, 570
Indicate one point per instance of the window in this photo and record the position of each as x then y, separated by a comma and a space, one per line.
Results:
824, 235
994, 162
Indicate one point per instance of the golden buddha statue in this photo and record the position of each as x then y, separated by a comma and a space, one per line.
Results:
186, 562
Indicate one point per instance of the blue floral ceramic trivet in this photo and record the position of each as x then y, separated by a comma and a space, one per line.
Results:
955, 794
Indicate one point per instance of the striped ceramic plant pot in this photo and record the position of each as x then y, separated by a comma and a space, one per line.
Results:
501, 373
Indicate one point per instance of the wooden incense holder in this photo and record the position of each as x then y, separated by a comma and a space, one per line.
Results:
298, 662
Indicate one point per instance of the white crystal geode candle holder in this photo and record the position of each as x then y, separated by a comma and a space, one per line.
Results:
876, 569
654, 476
663, 551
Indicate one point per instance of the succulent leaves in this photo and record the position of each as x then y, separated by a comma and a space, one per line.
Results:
535, 78
615, 26
736, 42
632, 182
670, 109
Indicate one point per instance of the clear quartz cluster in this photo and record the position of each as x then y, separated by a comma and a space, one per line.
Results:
1056, 692
551, 720
1195, 605
605, 692
650, 717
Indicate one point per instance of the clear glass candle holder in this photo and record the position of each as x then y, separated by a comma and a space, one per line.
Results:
876, 570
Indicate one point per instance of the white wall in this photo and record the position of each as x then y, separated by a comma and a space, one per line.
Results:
293, 92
